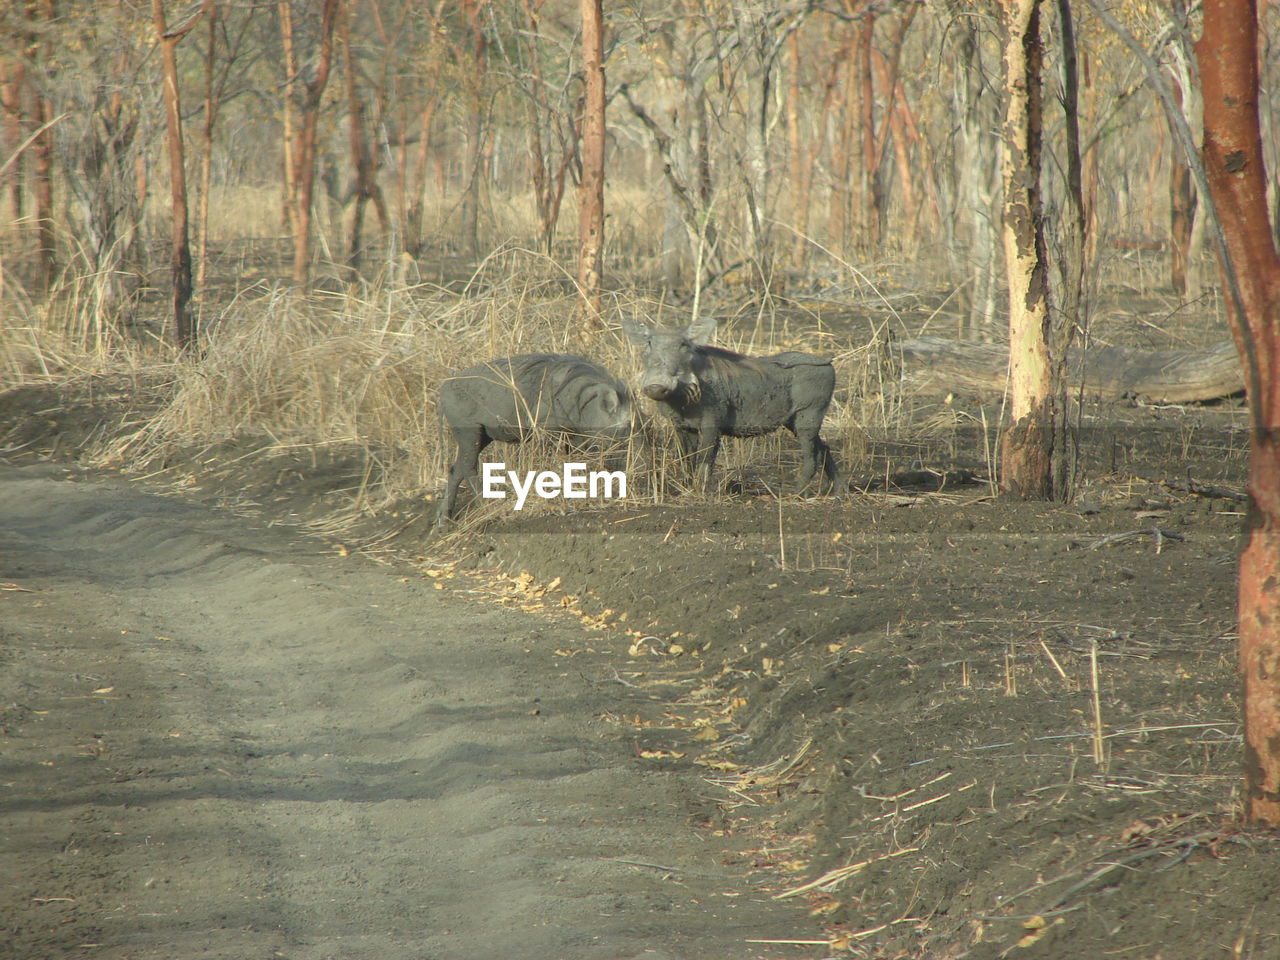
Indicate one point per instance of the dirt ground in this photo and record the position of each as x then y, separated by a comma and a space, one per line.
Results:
221, 741
914, 721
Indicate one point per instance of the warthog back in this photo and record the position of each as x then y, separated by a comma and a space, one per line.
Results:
512, 398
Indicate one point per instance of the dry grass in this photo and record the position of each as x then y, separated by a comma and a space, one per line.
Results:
357, 370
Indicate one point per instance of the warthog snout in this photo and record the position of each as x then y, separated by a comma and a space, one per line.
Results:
656, 391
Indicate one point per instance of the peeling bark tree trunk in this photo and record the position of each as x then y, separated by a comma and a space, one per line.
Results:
180, 254
1027, 444
591, 187
1233, 159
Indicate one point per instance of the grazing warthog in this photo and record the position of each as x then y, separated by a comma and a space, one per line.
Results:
511, 398
708, 392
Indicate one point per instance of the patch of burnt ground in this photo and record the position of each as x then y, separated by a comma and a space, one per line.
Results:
953, 725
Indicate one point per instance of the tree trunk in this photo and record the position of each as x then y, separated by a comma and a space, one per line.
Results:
211, 104
474, 170
1073, 313
417, 186
300, 144
591, 187
42, 168
366, 185
180, 254
869, 169
1026, 468
977, 174
1182, 205
1227, 54
12, 81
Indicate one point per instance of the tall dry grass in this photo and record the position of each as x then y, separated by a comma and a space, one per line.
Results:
356, 370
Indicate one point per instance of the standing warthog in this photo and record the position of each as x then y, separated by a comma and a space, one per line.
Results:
512, 398
708, 392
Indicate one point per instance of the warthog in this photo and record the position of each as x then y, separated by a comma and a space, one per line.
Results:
511, 398
708, 392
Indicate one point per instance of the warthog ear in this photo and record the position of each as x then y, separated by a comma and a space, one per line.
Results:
637, 331
702, 330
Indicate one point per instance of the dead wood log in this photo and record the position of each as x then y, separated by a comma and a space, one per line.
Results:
934, 365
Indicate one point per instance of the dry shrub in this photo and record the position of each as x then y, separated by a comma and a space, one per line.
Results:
361, 370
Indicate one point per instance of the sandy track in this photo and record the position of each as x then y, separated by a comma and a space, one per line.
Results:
217, 742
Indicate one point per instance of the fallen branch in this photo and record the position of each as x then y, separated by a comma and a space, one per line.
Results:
1205, 490
935, 365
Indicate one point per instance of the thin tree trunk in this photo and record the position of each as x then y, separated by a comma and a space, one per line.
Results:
1233, 159
474, 172
796, 157
844, 198
42, 168
1072, 316
1027, 443
417, 187
1181, 213
301, 147
591, 187
366, 187
288, 122
869, 171
12, 80
211, 104
180, 254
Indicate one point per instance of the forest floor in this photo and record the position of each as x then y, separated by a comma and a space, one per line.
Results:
918, 720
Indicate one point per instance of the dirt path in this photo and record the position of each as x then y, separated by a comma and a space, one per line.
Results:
216, 742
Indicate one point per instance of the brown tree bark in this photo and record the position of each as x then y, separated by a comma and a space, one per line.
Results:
548, 175
12, 81
42, 167
1233, 159
1182, 207
211, 104
1027, 443
475, 129
591, 187
361, 159
300, 143
180, 254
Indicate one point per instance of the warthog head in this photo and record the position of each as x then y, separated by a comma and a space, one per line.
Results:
670, 358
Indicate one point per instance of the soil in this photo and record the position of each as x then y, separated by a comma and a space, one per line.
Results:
918, 720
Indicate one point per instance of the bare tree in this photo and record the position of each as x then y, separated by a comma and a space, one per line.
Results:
591, 186
553, 134
477, 113
366, 186
42, 11
1027, 442
1227, 54
180, 255
310, 78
